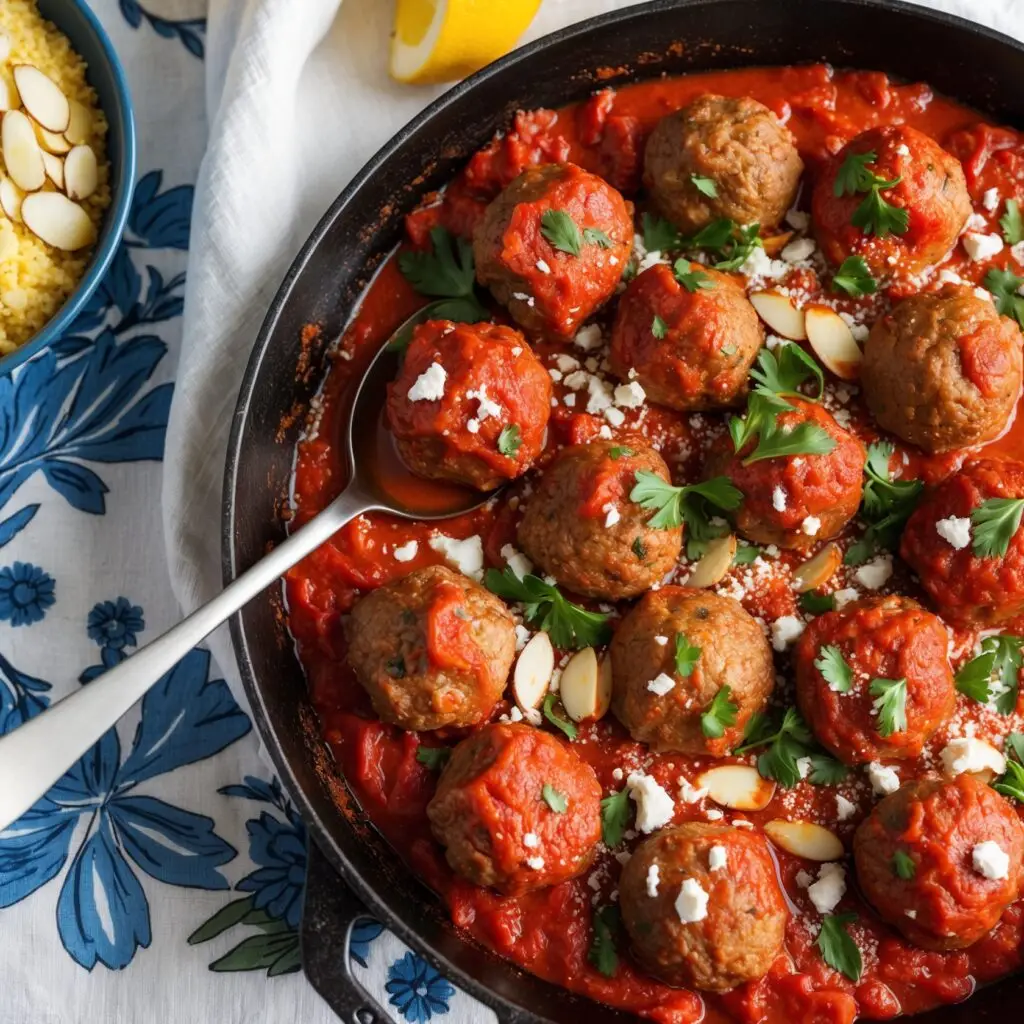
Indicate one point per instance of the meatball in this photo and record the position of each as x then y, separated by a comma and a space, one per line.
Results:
794, 501
521, 247
938, 544
930, 187
689, 348
581, 527
491, 814
846, 660
943, 370
432, 649
661, 705
488, 381
703, 907
950, 837
738, 145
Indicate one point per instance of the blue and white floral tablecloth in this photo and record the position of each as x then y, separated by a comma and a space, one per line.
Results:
161, 879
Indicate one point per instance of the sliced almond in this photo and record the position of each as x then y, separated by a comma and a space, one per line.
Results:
805, 839
52, 142
737, 786
22, 155
11, 198
58, 221
79, 126
54, 167
533, 672
585, 686
820, 569
81, 172
714, 563
833, 342
9, 98
42, 98
779, 313
776, 243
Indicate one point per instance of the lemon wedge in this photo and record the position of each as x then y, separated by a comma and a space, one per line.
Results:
444, 40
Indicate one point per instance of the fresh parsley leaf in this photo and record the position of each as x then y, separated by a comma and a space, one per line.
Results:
714, 236
595, 236
875, 216
853, 175
602, 952
1006, 666
615, 815
837, 949
854, 278
1004, 286
826, 770
886, 506
618, 451
686, 656
509, 440
890, 703
783, 371
446, 271
725, 240
568, 624
691, 280
672, 505
834, 669
659, 234
974, 677
817, 604
746, 554
787, 741
658, 327
561, 231
435, 758
720, 713
903, 865
1015, 745
1012, 223
773, 442
555, 800
736, 252
639, 548
1011, 782
705, 186
995, 522
562, 724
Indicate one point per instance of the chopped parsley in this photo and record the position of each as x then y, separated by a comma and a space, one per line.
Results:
817, 604
615, 814
886, 506
435, 758
834, 669
595, 236
826, 770
562, 724
890, 703
705, 186
1000, 661
509, 440
1011, 782
1004, 286
874, 215
672, 505
659, 234
619, 451
854, 278
1012, 223
602, 952
903, 865
555, 800
746, 554
761, 422
994, 524
561, 231
719, 714
639, 548
658, 327
691, 280
837, 949
783, 372
686, 656
787, 741
568, 624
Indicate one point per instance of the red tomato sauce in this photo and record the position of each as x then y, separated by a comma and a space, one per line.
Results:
548, 932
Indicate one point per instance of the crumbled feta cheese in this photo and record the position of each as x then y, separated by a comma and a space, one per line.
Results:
810, 526
690, 794
543, 267
654, 807
407, 552
516, 561
797, 250
829, 889
692, 902
652, 880
982, 247
467, 556
845, 809
487, 406
616, 417
785, 630
566, 363
653, 258
535, 863
661, 641
760, 266
600, 393
577, 380
798, 220
661, 684
530, 841
429, 385
611, 515
991, 860
845, 596
517, 351
473, 426
717, 857
773, 341
967, 754
876, 573
990, 200
903, 149
804, 879
779, 498
976, 222
883, 779
1017, 251
588, 338
630, 396
522, 639
956, 530
804, 766
605, 433
714, 814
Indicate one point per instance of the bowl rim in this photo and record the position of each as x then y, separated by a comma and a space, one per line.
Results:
123, 115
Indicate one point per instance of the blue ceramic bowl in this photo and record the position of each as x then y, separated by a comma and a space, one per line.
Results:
106, 75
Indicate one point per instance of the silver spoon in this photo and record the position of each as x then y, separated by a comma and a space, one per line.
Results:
38, 753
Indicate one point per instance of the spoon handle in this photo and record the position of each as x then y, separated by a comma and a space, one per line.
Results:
36, 755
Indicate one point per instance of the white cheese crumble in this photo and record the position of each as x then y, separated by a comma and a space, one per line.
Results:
798, 220
956, 530
654, 807
652, 880
429, 385
516, 561
611, 515
990, 200
810, 526
522, 639
829, 889
588, 338
535, 863
845, 809
883, 779
874, 574
982, 247
845, 596
785, 630
630, 396
473, 426
779, 498
717, 857
760, 266
903, 149
600, 393
467, 556
661, 641
714, 814
543, 266
616, 417
804, 879
967, 754
692, 902
530, 841
407, 552
488, 407
797, 250
804, 766
661, 684
991, 860
690, 794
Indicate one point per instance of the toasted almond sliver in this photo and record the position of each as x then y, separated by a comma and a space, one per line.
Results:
79, 126
776, 310
22, 155
580, 687
9, 98
833, 342
805, 839
52, 142
738, 786
820, 569
81, 172
714, 563
533, 671
58, 221
54, 168
776, 243
42, 98
11, 198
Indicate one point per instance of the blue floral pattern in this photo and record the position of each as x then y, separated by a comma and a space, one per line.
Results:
189, 31
417, 989
26, 591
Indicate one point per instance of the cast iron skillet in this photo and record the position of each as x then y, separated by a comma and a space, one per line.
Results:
974, 65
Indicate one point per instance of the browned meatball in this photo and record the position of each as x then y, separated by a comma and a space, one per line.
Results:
703, 907
498, 827
660, 699
739, 146
943, 370
432, 649
536, 247
929, 860
581, 527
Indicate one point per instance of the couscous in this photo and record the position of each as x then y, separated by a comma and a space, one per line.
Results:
54, 173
